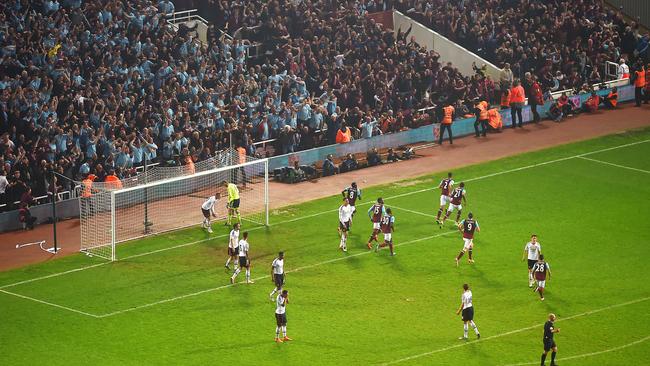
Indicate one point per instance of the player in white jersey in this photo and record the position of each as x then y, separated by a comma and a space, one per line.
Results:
281, 316
345, 218
244, 259
233, 242
467, 308
277, 274
532, 250
207, 208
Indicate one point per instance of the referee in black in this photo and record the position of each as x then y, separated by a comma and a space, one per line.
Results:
549, 343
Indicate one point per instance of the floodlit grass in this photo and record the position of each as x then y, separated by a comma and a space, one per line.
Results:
176, 306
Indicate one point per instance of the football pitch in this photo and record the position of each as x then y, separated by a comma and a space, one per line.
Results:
168, 300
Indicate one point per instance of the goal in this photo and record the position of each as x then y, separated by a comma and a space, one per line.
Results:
111, 216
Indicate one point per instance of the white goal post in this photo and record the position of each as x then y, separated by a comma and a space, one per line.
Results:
112, 216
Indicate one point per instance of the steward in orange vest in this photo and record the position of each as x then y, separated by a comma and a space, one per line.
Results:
87, 186
481, 110
448, 112
639, 85
112, 181
647, 84
611, 100
505, 99
591, 104
494, 119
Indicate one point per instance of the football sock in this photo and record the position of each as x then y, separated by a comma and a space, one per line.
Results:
543, 358
390, 245
234, 275
238, 217
277, 332
530, 278
465, 329
471, 322
469, 253
228, 262
342, 245
273, 292
541, 292
458, 216
460, 255
553, 358
248, 274
284, 330
439, 213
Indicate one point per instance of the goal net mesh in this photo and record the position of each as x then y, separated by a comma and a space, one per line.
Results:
165, 199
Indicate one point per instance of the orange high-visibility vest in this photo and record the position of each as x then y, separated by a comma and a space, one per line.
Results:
517, 94
343, 137
448, 113
242, 155
87, 187
113, 182
640, 79
190, 165
494, 118
483, 110
647, 79
613, 98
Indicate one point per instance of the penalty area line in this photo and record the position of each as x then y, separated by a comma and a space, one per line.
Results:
615, 165
590, 354
49, 304
580, 315
328, 211
333, 260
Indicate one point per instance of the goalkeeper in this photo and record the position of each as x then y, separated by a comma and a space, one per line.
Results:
233, 202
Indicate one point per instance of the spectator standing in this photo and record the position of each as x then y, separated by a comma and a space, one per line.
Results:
623, 71
481, 112
536, 98
517, 101
506, 78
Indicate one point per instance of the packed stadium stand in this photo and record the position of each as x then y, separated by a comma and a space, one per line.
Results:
91, 87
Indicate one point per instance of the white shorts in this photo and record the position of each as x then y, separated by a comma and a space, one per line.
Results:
376, 225
469, 244
444, 200
354, 209
541, 284
388, 236
452, 207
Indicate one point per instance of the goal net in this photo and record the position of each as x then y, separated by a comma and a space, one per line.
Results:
143, 207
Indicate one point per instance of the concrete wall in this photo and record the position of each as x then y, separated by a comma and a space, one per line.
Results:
639, 10
43, 213
448, 50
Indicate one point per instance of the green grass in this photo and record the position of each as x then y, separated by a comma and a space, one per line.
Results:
367, 308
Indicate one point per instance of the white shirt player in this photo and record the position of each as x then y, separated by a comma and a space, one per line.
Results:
209, 203
466, 299
533, 250
234, 239
243, 248
345, 213
280, 305
278, 266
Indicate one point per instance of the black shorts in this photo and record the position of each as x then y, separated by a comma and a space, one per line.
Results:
281, 319
206, 213
233, 251
278, 279
243, 262
548, 344
468, 314
344, 226
531, 263
234, 203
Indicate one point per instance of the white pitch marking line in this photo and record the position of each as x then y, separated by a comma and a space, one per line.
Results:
330, 211
50, 304
616, 165
586, 313
412, 211
264, 277
591, 354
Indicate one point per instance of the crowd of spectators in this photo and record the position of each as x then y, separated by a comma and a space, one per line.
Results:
99, 86
564, 43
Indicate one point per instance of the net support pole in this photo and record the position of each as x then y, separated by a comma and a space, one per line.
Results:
54, 217
113, 228
146, 222
266, 192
